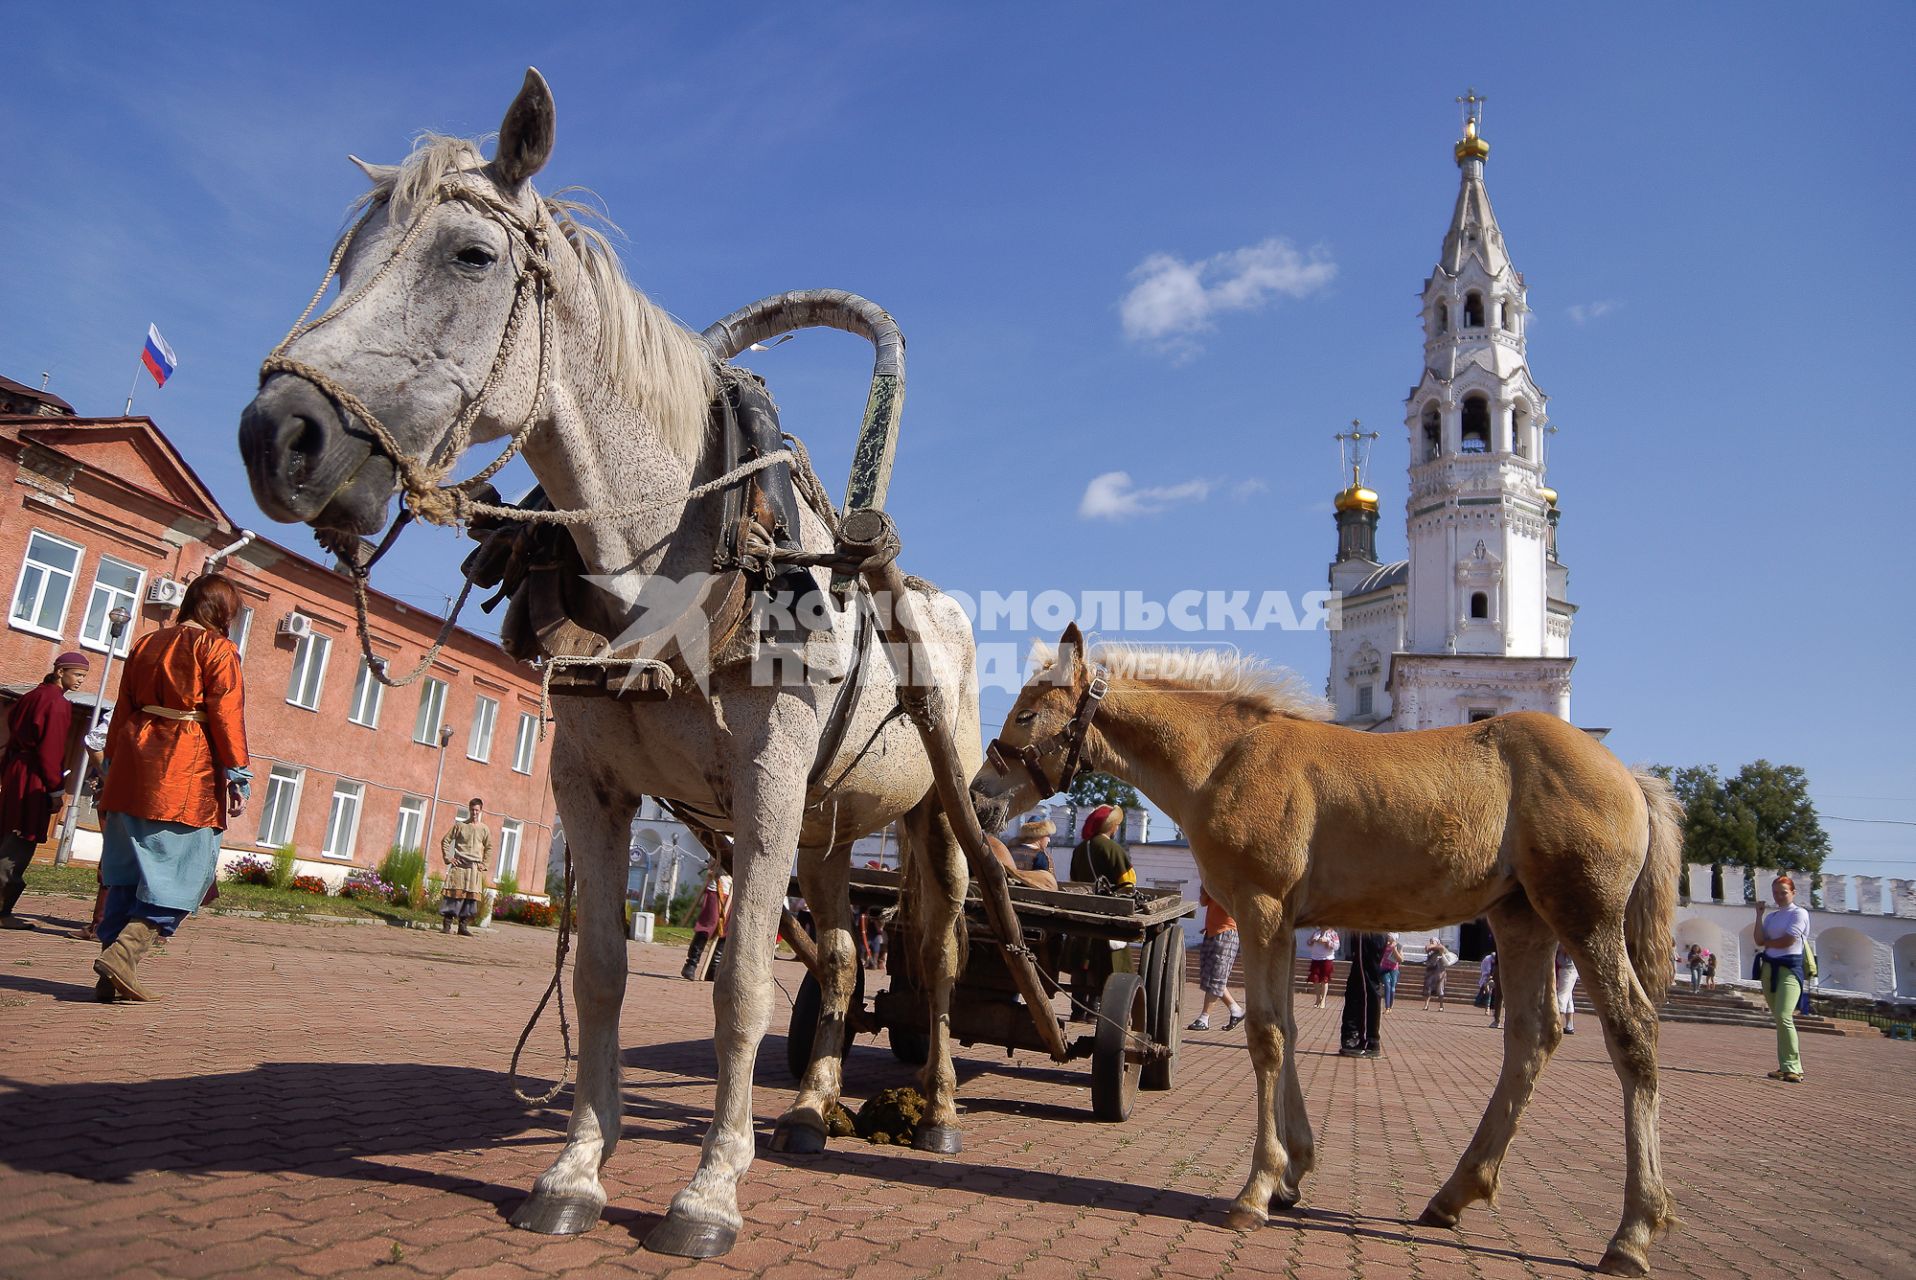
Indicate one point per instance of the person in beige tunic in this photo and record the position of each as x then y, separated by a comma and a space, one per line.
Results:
467, 848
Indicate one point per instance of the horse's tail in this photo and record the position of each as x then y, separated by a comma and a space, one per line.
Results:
1651, 915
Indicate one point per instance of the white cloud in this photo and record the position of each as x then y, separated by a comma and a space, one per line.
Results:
1114, 496
1584, 312
1172, 299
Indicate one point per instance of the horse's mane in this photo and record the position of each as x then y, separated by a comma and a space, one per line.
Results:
1250, 683
657, 366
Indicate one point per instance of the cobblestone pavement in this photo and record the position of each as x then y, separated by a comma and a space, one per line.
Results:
332, 1101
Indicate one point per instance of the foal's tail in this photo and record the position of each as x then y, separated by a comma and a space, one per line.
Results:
1648, 920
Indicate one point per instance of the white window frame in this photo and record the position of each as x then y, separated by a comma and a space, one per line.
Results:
412, 812
511, 837
47, 573
348, 798
292, 781
432, 693
240, 629
130, 600
526, 749
303, 674
364, 688
485, 718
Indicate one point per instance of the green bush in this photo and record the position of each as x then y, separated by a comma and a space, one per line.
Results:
402, 868
283, 871
682, 910
507, 885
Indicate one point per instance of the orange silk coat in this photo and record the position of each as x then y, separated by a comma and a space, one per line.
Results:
175, 770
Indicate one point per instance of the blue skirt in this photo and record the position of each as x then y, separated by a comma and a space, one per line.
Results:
169, 864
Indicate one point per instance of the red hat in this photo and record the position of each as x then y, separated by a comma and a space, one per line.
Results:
72, 658
1094, 825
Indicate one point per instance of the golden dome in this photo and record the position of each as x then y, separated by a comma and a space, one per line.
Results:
1357, 498
1471, 147
1548, 494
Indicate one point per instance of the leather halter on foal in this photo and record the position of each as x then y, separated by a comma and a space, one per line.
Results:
1068, 740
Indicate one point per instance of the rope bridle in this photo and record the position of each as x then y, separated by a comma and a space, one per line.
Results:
1067, 741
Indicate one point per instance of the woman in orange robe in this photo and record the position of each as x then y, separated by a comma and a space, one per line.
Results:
176, 770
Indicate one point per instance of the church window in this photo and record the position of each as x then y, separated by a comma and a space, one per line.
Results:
1443, 318
1480, 713
1476, 425
1364, 697
1520, 433
1508, 309
1473, 310
1433, 433
1479, 604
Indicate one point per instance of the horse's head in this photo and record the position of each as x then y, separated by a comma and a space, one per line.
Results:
1041, 747
435, 338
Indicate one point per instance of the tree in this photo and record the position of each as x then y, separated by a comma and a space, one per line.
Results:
1089, 790
1762, 817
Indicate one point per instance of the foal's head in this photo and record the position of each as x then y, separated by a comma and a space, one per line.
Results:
1040, 748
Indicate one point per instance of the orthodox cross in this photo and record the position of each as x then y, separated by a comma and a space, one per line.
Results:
1473, 104
1354, 449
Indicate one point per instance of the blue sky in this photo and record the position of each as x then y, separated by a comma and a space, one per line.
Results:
1710, 203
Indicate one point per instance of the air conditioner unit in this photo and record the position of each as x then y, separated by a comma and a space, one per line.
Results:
166, 591
296, 625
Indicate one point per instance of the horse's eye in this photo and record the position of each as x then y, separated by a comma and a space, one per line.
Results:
478, 256
1026, 717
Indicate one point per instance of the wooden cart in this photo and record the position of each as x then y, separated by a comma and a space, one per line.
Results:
1132, 1043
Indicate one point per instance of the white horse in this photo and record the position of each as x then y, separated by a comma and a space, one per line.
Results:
456, 268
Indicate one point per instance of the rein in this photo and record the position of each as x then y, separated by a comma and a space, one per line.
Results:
1068, 741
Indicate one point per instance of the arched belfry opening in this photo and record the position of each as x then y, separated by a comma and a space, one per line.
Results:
1443, 318
1476, 425
1433, 425
1473, 310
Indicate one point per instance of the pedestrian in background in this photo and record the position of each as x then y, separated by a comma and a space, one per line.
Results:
1709, 971
1216, 954
1783, 973
33, 775
1393, 962
1566, 971
1099, 859
708, 926
1493, 983
1361, 1033
177, 769
1323, 952
1694, 962
1437, 960
467, 848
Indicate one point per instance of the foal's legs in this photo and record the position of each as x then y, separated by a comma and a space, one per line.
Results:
823, 874
1267, 981
1629, 1018
1525, 948
1293, 1122
567, 1197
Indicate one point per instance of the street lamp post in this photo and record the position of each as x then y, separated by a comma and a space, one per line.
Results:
445, 736
116, 620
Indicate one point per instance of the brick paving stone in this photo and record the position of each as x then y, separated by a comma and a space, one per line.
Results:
308, 1096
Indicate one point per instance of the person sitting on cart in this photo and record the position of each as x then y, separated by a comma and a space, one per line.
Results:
1099, 859
1030, 862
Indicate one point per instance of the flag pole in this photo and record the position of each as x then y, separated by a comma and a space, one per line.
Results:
138, 369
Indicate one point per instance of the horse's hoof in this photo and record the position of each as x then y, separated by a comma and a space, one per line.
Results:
1285, 1199
1243, 1217
684, 1238
939, 1139
795, 1137
554, 1215
1432, 1216
1618, 1263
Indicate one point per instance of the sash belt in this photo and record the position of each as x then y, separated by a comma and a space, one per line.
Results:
168, 713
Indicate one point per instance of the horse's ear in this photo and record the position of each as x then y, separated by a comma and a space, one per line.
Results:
375, 173
525, 136
1071, 646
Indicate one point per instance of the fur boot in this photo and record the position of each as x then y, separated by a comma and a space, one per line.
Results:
118, 963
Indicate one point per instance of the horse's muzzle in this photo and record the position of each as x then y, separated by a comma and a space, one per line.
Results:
303, 463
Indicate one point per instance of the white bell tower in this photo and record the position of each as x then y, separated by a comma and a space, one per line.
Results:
1484, 581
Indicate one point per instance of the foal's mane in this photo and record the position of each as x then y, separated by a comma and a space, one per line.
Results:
655, 364
1247, 683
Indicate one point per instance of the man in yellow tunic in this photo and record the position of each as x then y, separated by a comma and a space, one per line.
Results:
467, 848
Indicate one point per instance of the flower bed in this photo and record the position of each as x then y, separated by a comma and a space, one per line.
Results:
251, 869
367, 886
525, 911
309, 884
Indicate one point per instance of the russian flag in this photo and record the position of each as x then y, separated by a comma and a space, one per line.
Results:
158, 357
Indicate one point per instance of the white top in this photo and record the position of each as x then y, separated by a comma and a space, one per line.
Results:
1323, 944
1798, 921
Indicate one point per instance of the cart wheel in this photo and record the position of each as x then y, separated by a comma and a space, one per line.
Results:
1114, 1078
1167, 1023
802, 1034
